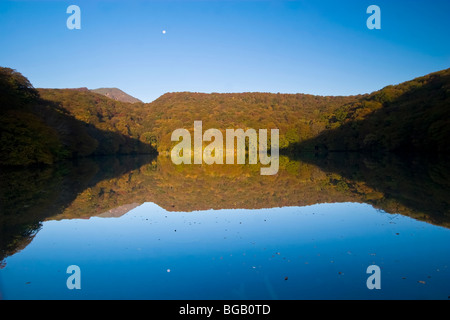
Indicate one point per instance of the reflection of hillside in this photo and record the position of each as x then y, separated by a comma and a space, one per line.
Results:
387, 185
202, 187
415, 187
30, 195
113, 186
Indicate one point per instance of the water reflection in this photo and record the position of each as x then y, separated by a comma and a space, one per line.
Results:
111, 186
32, 195
313, 252
415, 187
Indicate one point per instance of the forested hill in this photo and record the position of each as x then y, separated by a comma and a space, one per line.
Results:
297, 116
45, 125
34, 130
409, 117
412, 117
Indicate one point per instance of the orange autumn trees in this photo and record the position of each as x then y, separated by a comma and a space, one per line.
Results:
46, 125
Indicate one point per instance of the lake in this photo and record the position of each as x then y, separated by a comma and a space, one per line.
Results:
142, 228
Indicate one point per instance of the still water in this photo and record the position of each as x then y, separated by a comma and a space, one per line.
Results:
146, 229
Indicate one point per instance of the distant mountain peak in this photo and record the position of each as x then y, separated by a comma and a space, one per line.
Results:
116, 94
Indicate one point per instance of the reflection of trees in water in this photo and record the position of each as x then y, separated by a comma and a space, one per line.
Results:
29, 196
93, 187
414, 186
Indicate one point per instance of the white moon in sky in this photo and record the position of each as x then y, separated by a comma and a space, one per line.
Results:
164, 31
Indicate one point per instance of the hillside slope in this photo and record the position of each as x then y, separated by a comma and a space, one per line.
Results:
34, 130
297, 116
41, 126
412, 117
116, 94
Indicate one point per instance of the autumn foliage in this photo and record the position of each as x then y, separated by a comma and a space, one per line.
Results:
47, 125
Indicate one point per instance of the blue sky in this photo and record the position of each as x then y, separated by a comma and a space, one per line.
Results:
310, 46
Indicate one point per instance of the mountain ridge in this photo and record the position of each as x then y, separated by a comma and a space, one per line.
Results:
116, 94
35, 130
409, 117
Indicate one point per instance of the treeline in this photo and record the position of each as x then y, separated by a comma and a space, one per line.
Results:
45, 125
34, 130
412, 117
297, 116
104, 113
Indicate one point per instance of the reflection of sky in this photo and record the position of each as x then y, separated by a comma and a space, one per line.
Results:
323, 250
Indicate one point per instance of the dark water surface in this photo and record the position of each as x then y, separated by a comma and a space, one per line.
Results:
143, 228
